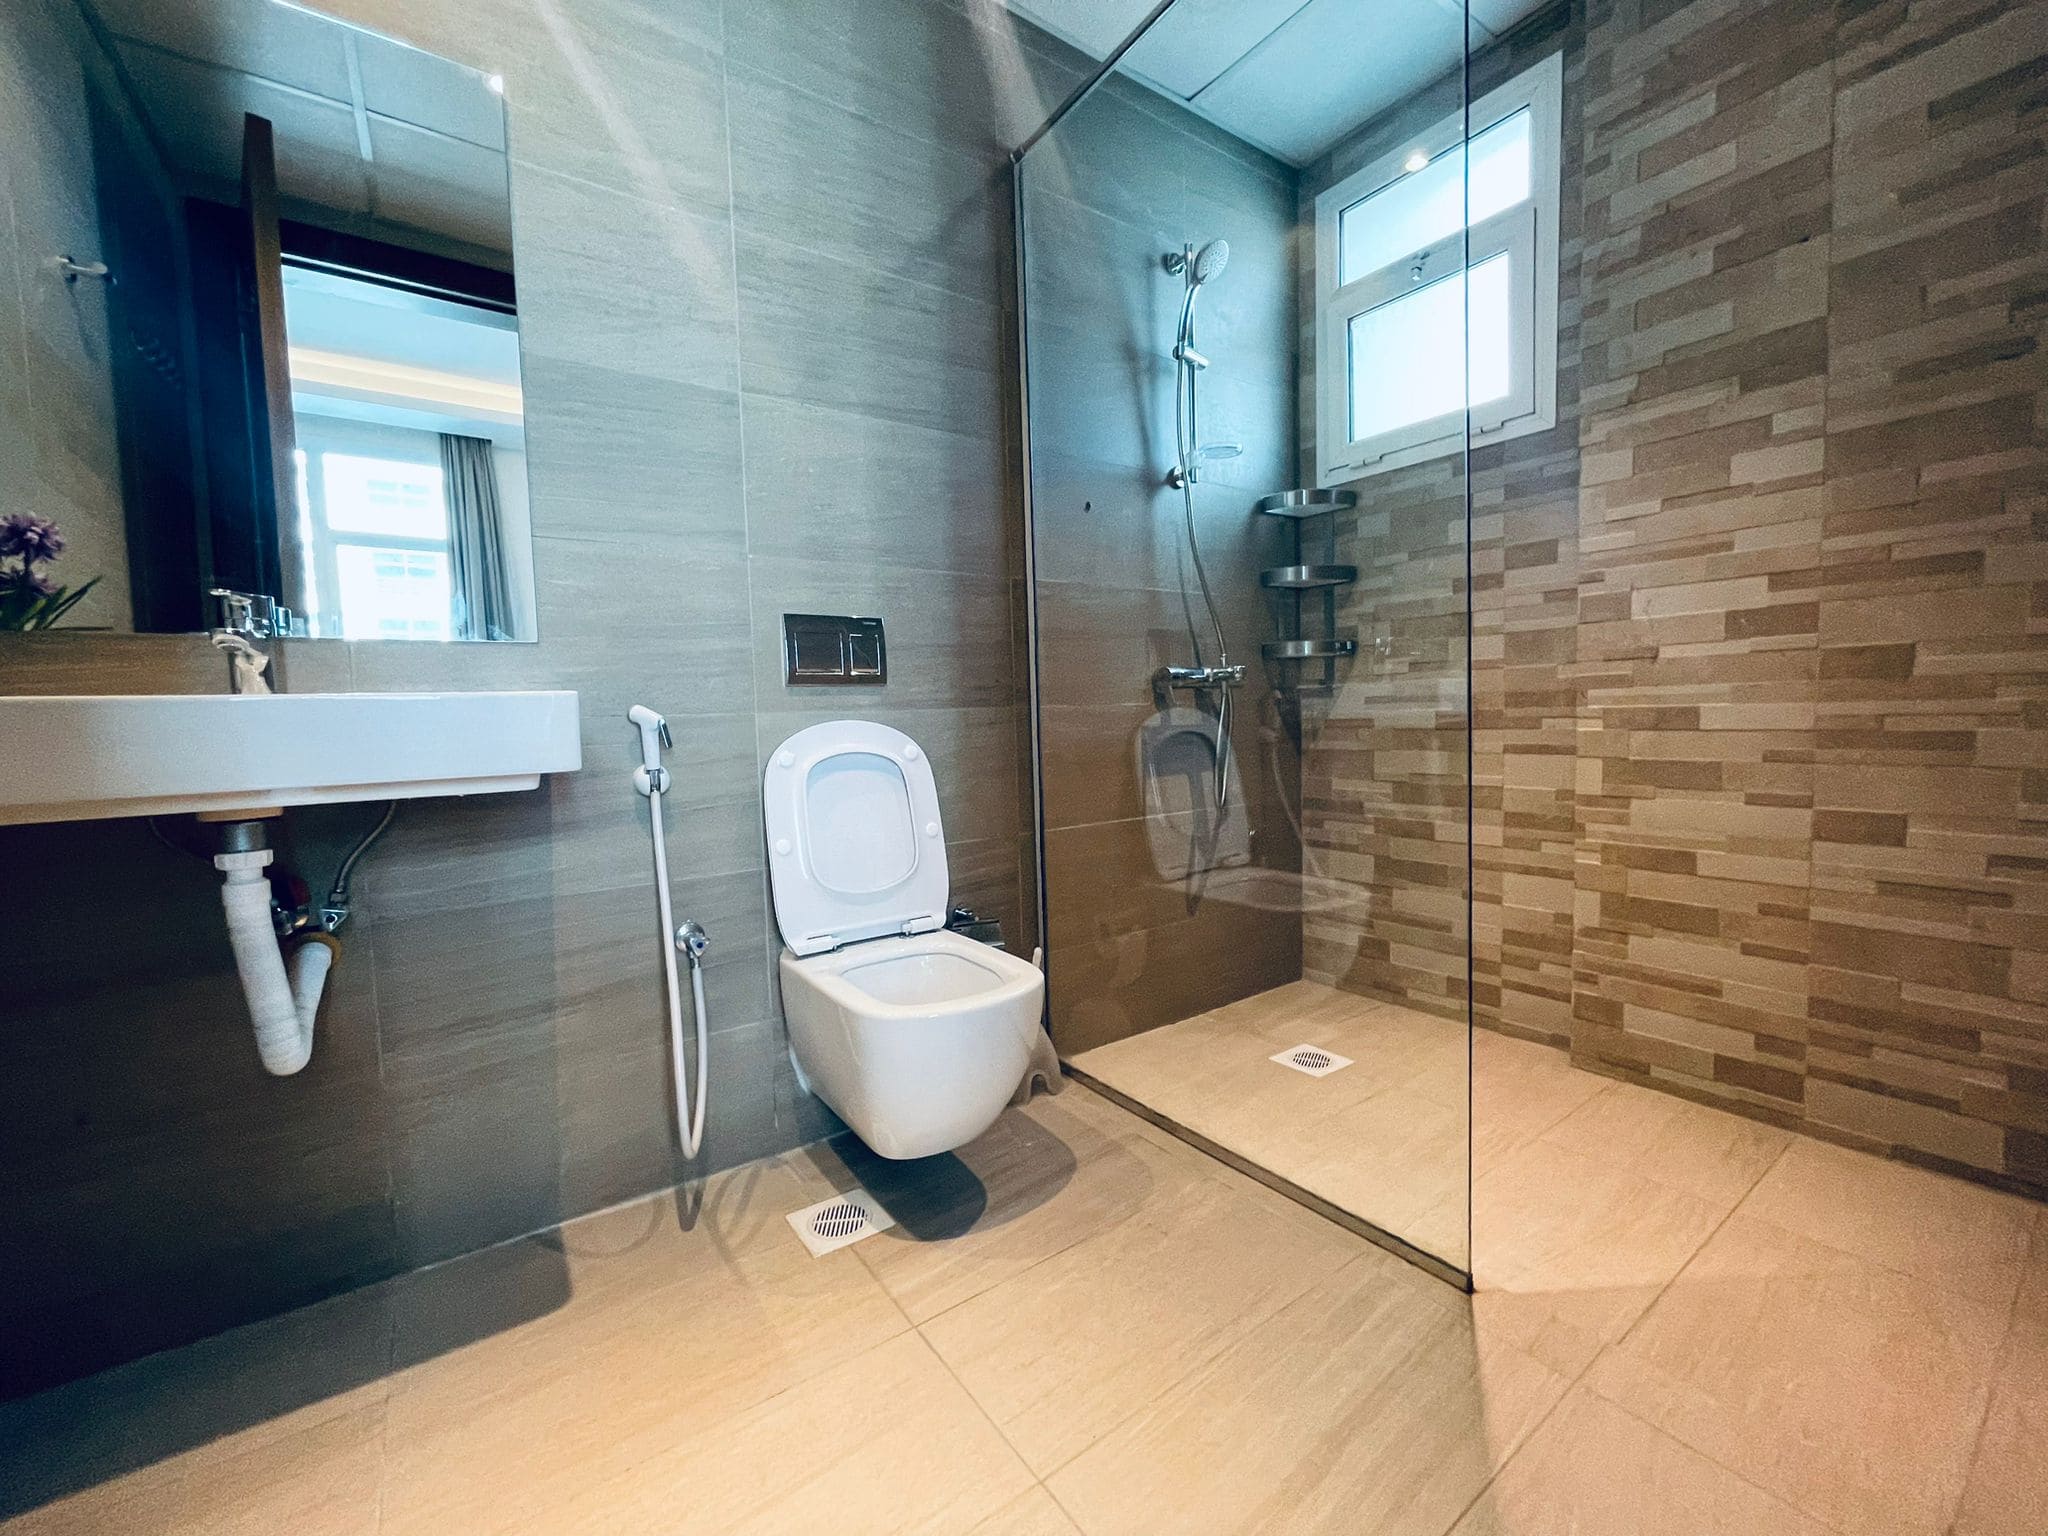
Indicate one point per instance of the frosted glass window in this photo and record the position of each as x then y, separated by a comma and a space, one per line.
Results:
392, 594
1404, 354
1426, 205
383, 496
1436, 286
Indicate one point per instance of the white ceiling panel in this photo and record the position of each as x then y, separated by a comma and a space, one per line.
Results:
1333, 65
411, 138
1093, 26
256, 37
1289, 76
433, 182
328, 313
1499, 16
436, 93
1198, 40
198, 110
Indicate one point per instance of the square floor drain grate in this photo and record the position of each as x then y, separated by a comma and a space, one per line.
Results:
845, 1218
1311, 1059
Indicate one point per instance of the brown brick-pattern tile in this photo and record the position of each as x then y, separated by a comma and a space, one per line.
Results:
1524, 640
1929, 1020
1758, 701
1408, 539
1384, 780
1704, 360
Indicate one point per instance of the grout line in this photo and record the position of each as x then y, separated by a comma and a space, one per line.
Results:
1691, 1258
979, 1407
2012, 1321
1579, 1379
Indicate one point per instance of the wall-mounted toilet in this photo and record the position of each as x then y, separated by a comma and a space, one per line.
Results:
916, 1037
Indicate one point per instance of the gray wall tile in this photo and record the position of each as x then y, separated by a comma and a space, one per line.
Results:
494, 1057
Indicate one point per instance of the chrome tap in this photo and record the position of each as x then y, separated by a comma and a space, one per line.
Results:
1229, 675
243, 619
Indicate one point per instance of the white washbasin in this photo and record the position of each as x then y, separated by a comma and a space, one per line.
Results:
79, 758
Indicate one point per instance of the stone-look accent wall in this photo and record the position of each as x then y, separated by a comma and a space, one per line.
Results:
1123, 179
1810, 852
1385, 769
1760, 712
764, 271
1928, 1003
1700, 525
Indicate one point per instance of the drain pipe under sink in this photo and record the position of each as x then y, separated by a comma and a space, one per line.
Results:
284, 999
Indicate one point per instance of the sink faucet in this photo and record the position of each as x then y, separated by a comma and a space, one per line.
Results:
244, 618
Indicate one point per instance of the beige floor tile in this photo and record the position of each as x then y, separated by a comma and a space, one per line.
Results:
2031, 1305
1705, 1152
1368, 1404
1519, 1091
1580, 1240
1594, 1470
2007, 1492
665, 1331
1032, 1513
135, 1426
318, 1480
1213, 1075
1961, 1236
1061, 1353
1047, 1176
885, 1442
1282, 1207
1384, 1138
1399, 1160
1850, 1390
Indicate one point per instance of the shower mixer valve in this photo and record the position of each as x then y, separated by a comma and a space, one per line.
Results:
1228, 676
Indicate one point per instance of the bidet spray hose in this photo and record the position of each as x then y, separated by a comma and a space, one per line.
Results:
652, 780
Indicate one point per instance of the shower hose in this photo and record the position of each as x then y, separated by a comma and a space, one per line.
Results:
689, 1122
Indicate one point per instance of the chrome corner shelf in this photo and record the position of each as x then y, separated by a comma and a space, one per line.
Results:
1307, 576
1302, 578
1319, 649
1305, 503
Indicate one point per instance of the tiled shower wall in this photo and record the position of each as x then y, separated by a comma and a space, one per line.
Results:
1121, 181
1761, 711
764, 266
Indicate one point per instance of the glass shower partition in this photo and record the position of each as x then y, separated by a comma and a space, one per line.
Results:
1248, 272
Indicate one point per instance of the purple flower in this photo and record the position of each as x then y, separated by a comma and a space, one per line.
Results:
32, 538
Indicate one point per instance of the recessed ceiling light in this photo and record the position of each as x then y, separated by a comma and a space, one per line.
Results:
1415, 162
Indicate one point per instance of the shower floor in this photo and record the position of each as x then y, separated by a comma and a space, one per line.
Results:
1384, 1139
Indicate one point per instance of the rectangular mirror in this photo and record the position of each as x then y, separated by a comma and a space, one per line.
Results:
258, 327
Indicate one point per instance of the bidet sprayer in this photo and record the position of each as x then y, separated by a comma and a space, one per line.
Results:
650, 777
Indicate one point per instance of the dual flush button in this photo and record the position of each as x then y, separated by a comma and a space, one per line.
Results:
823, 649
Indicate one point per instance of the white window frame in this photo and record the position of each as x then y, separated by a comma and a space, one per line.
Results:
1529, 231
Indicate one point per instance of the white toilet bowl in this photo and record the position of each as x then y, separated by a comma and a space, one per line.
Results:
916, 1037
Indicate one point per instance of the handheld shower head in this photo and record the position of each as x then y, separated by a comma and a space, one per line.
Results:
1209, 262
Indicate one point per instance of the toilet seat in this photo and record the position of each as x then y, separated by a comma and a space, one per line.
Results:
856, 845
910, 978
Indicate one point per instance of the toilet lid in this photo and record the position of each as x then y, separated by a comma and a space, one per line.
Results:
856, 849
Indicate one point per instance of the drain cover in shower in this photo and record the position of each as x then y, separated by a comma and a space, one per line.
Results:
1312, 1059
845, 1218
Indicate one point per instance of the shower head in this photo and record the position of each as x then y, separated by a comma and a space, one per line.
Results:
1209, 262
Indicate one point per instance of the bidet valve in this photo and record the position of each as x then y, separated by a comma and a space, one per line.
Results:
692, 940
